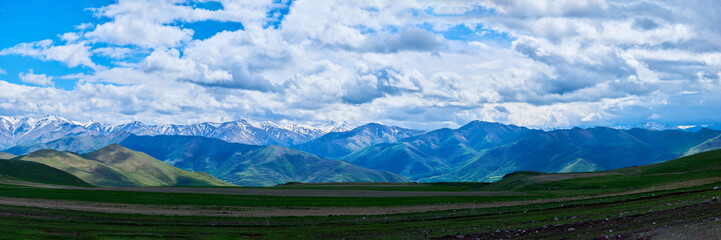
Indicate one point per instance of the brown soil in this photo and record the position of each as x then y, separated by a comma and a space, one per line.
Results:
304, 192
558, 177
275, 191
698, 221
176, 210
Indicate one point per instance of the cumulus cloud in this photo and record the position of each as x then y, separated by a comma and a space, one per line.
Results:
37, 79
423, 64
72, 54
127, 31
380, 83
114, 52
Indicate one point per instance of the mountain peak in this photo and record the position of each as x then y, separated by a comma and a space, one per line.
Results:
654, 126
114, 153
110, 148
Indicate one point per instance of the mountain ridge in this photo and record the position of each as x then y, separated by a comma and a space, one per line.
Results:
338, 144
250, 165
482, 151
27, 131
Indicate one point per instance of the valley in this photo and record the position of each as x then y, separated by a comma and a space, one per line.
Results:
476, 152
662, 200
480, 181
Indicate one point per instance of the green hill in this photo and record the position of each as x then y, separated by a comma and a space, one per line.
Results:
4, 155
90, 171
150, 171
698, 169
37, 172
118, 166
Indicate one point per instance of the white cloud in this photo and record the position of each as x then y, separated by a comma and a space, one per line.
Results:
114, 52
37, 79
539, 63
72, 54
84, 26
70, 36
2, 71
129, 31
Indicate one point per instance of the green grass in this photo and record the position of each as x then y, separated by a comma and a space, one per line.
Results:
700, 167
432, 187
36, 223
678, 208
240, 200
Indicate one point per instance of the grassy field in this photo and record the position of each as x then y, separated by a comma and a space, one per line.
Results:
679, 198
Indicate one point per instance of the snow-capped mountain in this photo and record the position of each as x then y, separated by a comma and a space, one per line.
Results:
21, 131
333, 126
654, 126
660, 127
25, 131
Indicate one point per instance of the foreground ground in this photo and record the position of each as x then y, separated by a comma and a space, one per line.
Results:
677, 199
692, 212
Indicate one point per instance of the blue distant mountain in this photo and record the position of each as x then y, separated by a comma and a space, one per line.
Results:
338, 144
483, 151
251, 165
477, 151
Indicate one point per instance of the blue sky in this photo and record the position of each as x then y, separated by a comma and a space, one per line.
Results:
419, 64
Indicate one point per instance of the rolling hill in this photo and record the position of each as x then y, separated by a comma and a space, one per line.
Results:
37, 172
338, 144
118, 166
4, 155
250, 165
698, 169
482, 151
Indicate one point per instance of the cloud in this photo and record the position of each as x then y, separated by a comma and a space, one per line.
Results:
114, 52
2, 71
422, 64
644, 24
72, 54
130, 31
379, 83
37, 79
407, 38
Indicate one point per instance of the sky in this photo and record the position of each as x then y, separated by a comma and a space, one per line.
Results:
417, 64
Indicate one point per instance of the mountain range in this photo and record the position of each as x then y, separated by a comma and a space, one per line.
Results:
339, 144
251, 165
483, 151
477, 151
27, 131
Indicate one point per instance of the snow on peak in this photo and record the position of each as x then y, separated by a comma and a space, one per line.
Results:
653, 126
335, 126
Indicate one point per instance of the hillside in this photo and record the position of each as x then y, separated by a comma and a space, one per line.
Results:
116, 166
249, 165
698, 169
37, 172
148, 170
481, 151
4, 155
338, 144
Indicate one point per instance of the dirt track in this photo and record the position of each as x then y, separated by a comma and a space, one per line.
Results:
303, 192
275, 191
175, 210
